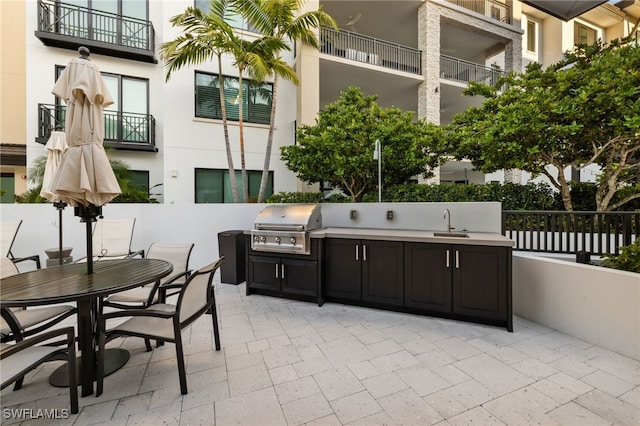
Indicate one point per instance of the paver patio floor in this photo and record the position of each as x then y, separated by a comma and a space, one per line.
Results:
292, 363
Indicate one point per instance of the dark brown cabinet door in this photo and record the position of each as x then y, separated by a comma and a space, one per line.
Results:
264, 273
342, 271
428, 276
299, 277
382, 272
480, 281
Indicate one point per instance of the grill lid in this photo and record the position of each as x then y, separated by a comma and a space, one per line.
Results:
300, 217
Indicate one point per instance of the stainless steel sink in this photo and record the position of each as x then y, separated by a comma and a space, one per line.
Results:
451, 234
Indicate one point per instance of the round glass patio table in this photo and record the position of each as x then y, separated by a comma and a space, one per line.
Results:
72, 283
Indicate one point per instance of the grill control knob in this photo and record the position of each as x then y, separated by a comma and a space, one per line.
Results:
293, 240
263, 239
278, 240
256, 238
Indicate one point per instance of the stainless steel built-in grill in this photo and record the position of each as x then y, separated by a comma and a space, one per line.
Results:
284, 228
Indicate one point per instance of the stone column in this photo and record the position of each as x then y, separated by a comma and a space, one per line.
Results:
429, 44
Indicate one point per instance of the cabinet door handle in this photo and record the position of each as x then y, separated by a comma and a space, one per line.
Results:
282, 271
276, 270
357, 250
457, 259
447, 259
364, 252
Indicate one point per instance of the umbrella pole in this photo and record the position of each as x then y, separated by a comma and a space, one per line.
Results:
89, 249
60, 205
88, 214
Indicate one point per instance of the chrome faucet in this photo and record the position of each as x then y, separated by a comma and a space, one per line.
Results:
447, 215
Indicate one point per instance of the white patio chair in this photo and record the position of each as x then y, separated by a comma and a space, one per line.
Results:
111, 239
17, 323
165, 322
8, 233
18, 359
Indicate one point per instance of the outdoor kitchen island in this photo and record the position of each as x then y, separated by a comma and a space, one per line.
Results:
464, 276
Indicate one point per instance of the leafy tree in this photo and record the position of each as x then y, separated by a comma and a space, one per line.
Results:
582, 110
339, 148
283, 20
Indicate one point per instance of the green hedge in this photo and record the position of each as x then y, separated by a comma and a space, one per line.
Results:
532, 196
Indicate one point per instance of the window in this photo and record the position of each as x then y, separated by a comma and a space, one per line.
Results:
532, 34
583, 34
214, 186
256, 98
140, 179
7, 187
232, 18
127, 119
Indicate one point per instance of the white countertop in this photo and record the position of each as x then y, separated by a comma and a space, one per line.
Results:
410, 235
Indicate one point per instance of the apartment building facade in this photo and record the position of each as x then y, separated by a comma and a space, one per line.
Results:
414, 54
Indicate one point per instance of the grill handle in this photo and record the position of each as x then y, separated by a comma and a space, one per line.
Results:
276, 270
357, 250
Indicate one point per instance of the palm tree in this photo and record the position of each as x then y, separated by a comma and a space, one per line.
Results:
205, 36
255, 57
282, 19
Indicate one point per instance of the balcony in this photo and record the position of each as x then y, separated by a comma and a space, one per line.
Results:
122, 130
461, 71
491, 8
68, 26
370, 50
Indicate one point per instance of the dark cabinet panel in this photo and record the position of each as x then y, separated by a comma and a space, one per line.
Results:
427, 277
299, 277
382, 272
480, 282
342, 271
264, 273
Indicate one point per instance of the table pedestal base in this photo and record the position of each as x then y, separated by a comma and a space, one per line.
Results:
114, 359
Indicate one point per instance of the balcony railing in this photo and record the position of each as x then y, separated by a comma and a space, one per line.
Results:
491, 8
68, 26
463, 71
349, 45
122, 130
571, 232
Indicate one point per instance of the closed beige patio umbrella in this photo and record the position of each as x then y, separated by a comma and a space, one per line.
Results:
55, 147
85, 179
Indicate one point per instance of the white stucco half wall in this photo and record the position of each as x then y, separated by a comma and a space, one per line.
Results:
597, 304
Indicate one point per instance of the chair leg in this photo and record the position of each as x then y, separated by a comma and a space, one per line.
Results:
100, 369
182, 371
18, 384
73, 374
214, 317
147, 344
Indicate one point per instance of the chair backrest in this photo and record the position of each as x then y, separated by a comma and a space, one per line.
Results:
8, 232
7, 267
176, 254
196, 292
112, 237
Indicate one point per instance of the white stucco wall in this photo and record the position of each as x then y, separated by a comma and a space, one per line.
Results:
599, 305
201, 223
